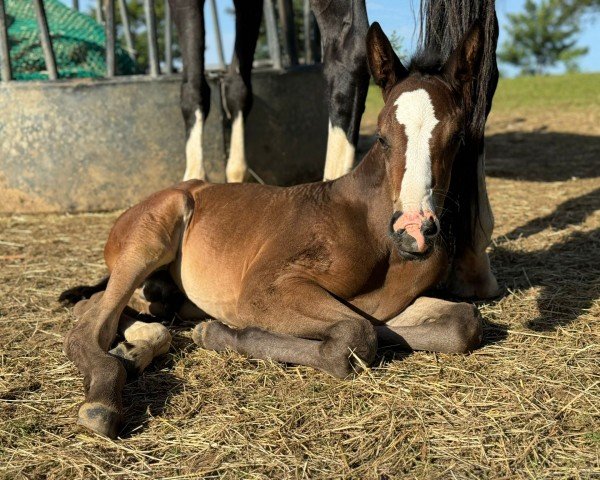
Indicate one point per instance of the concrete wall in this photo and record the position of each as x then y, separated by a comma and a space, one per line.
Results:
82, 145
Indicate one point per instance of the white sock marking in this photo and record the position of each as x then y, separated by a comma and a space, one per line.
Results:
340, 154
194, 167
415, 111
236, 163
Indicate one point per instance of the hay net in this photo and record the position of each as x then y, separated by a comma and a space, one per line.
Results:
77, 39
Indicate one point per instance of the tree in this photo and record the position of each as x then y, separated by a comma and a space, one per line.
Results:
545, 34
137, 22
397, 42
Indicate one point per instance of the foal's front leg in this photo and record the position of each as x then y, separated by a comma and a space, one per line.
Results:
434, 325
304, 325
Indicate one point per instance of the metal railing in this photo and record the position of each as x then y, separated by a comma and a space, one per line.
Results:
105, 14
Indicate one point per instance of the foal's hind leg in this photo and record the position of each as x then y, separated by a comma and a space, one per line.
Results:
143, 342
434, 325
144, 238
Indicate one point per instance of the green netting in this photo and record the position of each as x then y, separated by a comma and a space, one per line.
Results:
78, 42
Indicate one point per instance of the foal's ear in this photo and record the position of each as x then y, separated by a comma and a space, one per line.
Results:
384, 64
463, 63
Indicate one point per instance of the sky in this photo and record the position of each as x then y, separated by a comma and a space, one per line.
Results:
400, 15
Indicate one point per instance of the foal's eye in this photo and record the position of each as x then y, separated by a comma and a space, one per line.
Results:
382, 142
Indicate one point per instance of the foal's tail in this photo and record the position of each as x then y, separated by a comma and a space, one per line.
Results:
443, 25
81, 292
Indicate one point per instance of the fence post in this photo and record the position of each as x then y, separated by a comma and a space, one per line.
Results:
217, 28
127, 29
168, 38
272, 37
109, 29
286, 15
307, 24
99, 11
5, 69
152, 41
45, 39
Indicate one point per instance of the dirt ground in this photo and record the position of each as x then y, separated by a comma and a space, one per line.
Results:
525, 405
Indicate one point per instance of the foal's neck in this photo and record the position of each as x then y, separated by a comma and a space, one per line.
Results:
368, 187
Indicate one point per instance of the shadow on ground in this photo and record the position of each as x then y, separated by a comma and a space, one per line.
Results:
148, 395
568, 272
542, 156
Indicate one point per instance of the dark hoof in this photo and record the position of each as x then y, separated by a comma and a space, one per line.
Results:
100, 419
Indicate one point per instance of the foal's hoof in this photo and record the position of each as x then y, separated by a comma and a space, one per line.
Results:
210, 335
100, 419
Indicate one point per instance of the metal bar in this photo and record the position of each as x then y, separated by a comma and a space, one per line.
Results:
272, 37
45, 39
152, 40
76, 5
127, 29
5, 69
168, 38
99, 11
217, 29
307, 23
109, 30
315, 39
286, 15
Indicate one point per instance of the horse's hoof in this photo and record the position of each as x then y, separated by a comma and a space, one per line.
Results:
100, 419
210, 335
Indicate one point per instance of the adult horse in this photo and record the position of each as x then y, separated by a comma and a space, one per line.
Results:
312, 274
343, 25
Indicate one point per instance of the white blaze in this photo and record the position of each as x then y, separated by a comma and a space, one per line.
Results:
236, 163
194, 167
340, 154
415, 111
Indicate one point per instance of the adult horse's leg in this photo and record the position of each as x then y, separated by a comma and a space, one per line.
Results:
237, 85
434, 325
343, 25
301, 324
144, 238
195, 93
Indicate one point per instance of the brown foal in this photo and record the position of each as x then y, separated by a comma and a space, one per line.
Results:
312, 274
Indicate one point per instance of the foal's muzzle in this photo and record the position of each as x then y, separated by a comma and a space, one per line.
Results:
414, 233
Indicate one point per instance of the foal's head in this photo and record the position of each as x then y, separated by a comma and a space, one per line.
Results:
419, 133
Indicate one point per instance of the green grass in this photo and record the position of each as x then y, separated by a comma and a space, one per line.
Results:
560, 91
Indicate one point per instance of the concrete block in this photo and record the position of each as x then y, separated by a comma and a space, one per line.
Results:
85, 145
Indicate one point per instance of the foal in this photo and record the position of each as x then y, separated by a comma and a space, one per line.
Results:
311, 274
